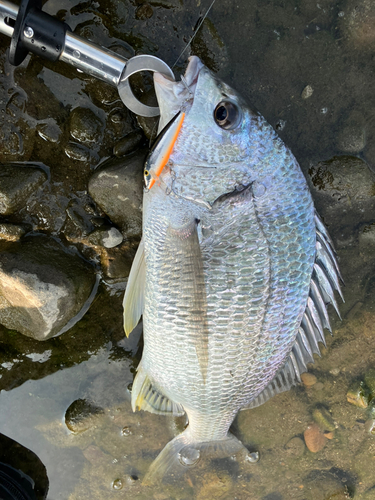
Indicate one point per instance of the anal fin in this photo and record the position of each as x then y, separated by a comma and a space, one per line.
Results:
148, 397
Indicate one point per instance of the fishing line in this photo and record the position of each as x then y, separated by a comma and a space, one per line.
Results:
196, 31
179, 57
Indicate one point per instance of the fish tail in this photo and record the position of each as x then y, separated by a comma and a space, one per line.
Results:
183, 453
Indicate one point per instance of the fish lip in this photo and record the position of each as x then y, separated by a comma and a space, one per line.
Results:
177, 96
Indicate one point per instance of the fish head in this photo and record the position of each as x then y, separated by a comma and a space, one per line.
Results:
217, 147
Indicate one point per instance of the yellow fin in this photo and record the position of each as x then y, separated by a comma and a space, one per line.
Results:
134, 294
146, 396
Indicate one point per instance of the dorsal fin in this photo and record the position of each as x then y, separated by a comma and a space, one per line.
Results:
134, 294
147, 396
324, 281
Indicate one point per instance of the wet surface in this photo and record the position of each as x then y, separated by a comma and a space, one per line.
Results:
308, 68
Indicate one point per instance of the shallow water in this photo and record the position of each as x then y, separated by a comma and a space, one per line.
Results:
270, 51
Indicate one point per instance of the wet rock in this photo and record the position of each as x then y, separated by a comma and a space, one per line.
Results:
79, 152
324, 419
85, 126
149, 125
144, 11
106, 237
308, 379
10, 232
352, 137
78, 223
116, 262
82, 415
295, 447
17, 182
326, 486
49, 130
42, 287
343, 188
117, 188
359, 394
314, 438
128, 144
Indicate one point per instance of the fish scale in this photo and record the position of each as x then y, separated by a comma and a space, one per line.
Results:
236, 283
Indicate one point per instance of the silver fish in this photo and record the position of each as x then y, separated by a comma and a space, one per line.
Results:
231, 278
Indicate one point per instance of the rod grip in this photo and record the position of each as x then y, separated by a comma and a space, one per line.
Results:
36, 32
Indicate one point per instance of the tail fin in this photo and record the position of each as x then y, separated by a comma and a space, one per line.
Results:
183, 453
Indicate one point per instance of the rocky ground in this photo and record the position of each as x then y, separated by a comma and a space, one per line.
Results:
70, 221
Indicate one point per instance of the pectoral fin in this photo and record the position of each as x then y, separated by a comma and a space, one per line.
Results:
185, 265
134, 294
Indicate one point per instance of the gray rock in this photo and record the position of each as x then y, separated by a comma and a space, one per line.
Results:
42, 287
117, 188
128, 144
17, 182
116, 262
106, 237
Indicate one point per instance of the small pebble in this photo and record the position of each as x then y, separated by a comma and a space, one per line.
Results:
314, 438
307, 92
319, 386
334, 371
358, 395
295, 447
329, 435
77, 152
308, 379
143, 12
324, 419
370, 426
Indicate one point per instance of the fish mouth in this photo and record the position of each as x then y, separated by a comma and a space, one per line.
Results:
176, 96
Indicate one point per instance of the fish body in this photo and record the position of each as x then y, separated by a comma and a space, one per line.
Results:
226, 264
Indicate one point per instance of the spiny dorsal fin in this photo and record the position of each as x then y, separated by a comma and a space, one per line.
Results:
134, 294
147, 396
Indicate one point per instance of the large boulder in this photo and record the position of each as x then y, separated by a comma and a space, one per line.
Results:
42, 286
117, 187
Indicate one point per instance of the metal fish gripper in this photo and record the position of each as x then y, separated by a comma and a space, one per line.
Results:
35, 31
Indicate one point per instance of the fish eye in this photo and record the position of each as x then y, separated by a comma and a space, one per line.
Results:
227, 115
